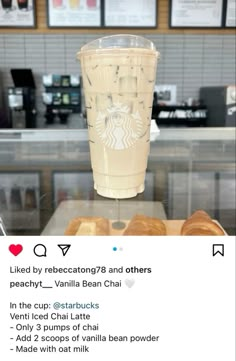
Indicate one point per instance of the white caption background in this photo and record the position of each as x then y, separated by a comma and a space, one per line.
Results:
183, 309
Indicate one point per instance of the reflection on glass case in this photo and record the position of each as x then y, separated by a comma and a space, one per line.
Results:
80, 186
188, 192
149, 183
20, 200
227, 199
72, 185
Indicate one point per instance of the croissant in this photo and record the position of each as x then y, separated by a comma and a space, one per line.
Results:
201, 224
141, 225
88, 226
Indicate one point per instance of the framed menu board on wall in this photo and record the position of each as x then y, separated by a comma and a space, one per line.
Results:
17, 13
196, 14
230, 14
74, 13
130, 13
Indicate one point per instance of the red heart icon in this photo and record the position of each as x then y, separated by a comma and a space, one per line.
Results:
15, 249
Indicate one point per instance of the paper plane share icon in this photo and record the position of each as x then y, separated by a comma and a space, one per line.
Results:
64, 248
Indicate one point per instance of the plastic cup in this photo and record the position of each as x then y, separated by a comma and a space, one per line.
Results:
119, 75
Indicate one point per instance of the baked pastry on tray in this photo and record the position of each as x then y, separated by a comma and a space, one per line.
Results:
201, 224
141, 225
88, 226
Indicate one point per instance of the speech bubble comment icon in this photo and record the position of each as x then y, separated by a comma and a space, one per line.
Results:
40, 250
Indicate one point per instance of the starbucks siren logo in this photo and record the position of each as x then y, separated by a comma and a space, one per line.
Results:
118, 128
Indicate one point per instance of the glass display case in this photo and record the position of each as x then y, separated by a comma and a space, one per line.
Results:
46, 179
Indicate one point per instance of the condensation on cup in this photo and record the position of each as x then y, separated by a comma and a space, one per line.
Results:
119, 74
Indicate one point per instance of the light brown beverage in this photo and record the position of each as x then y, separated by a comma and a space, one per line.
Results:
118, 86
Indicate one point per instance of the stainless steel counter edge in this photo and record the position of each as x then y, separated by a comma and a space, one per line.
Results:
51, 135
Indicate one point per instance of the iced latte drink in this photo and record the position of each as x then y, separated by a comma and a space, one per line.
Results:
119, 74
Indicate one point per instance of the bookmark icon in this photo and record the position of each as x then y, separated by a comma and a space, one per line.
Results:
218, 249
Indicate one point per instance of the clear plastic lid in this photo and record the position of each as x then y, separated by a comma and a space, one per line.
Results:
119, 41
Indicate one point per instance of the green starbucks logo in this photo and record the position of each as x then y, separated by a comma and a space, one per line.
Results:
118, 128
